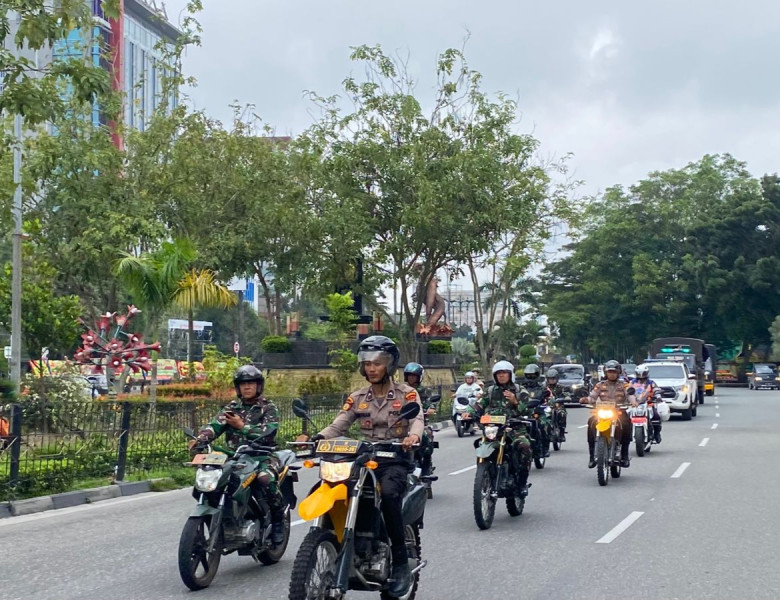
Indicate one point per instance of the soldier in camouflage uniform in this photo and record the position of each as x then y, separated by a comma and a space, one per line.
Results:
251, 418
413, 375
377, 408
507, 398
552, 391
533, 383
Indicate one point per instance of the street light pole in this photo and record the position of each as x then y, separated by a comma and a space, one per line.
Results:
16, 279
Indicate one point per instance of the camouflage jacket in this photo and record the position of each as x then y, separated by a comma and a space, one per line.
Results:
494, 403
557, 391
261, 422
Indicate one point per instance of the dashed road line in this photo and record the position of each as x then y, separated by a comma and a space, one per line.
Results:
620, 528
458, 472
714, 426
298, 522
717, 414
704, 442
680, 470
582, 426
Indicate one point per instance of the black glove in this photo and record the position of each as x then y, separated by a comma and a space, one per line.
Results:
316, 437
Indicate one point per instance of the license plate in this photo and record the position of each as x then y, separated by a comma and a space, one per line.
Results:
338, 446
306, 452
215, 458
493, 419
385, 454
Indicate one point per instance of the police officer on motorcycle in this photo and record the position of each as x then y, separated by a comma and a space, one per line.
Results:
611, 390
250, 418
376, 408
413, 376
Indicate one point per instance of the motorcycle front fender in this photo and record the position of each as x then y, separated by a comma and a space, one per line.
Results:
321, 501
203, 510
604, 426
486, 449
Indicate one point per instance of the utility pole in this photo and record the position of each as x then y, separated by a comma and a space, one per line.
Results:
16, 279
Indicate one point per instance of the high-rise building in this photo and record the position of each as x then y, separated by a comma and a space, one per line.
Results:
128, 47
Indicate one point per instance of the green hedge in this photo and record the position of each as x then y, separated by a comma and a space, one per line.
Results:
439, 347
276, 344
182, 390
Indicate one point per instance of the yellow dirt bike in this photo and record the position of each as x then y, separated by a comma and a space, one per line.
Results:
348, 548
608, 446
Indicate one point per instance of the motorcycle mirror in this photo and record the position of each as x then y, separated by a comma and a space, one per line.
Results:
189, 432
300, 409
462, 400
410, 410
630, 391
435, 398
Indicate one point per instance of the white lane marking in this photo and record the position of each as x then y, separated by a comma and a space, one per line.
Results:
620, 528
714, 425
458, 472
717, 414
680, 470
298, 522
704, 442
582, 426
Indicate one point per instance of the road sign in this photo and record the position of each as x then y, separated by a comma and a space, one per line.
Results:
236, 348
7, 351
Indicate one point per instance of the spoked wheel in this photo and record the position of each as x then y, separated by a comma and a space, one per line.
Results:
614, 466
602, 458
413, 549
274, 554
515, 506
484, 495
314, 570
639, 440
198, 566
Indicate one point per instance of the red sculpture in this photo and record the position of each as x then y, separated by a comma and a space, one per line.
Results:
107, 350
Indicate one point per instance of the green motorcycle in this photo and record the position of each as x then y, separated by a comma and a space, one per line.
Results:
228, 516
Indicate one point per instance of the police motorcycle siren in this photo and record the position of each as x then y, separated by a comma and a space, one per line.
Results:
348, 548
495, 477
608, 446
464, 425
228, 516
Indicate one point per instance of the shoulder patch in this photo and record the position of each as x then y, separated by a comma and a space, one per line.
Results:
411, 396
348, 404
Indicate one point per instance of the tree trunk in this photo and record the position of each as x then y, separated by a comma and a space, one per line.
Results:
268, 302
278, 311
478, 315
190, 335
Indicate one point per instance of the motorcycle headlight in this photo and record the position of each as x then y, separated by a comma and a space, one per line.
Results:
491, 431
335, 472
606, 413
207, 480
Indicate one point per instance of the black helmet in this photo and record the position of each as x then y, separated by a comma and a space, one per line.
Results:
612, 365
532, 372
414, 368
552, 374
248, 373
375, 346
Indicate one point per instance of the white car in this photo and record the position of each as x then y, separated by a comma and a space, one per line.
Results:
677, 385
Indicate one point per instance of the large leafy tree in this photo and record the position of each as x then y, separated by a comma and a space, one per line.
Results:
690, 252
423, 191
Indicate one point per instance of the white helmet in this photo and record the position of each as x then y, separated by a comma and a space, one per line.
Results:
469, 374
503, 365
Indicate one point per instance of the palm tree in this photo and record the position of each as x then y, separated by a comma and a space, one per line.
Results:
200, 289
152, 280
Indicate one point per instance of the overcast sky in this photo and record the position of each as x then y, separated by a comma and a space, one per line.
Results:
627, 87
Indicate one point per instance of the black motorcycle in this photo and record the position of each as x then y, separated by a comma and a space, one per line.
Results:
423, 457
228, 516
348, 548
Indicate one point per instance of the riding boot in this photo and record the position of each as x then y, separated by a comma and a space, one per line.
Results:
401, 576
657, 432
625, 461
592, 453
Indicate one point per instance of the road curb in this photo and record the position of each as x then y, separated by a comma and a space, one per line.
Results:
28, 506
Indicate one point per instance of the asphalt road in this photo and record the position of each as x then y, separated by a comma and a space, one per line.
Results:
699, 520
